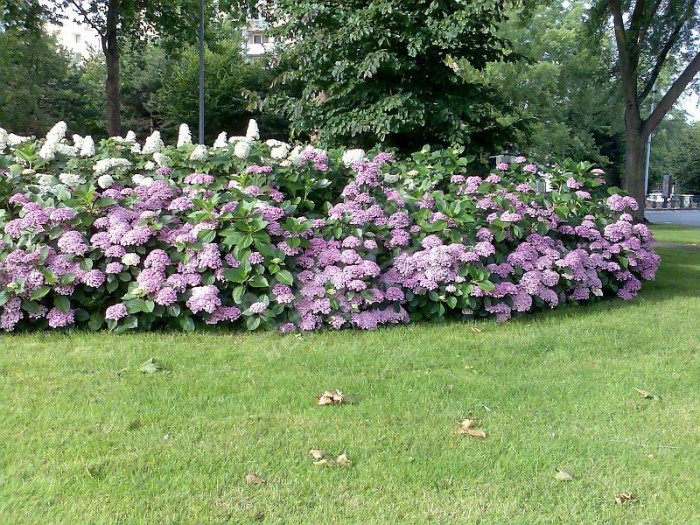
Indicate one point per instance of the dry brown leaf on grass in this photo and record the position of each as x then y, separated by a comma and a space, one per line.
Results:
648, 395
333, 397
466, 426
339, 461
564, 475
622, 498
253, 479
343, 461
317, 454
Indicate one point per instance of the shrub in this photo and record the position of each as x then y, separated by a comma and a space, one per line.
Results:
260, 234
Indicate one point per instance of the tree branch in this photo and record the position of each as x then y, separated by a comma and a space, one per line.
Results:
661, 59
671, 96
85, 15
637, 20
647, 22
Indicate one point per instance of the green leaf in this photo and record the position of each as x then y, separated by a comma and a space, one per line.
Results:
39, 293
258, 281
187, 323
174, 310
31, 306
486, 286
252, 322
236, 275
4, 297
96, 322
62, 304
285, 277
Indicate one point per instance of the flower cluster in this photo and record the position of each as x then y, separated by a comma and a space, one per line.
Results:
270, 236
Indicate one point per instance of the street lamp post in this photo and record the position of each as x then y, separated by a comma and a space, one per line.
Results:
648, 159
201, 71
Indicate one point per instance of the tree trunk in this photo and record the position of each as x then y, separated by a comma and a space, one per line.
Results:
110, 47
633, 182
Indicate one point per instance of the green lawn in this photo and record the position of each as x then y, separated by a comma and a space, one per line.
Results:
86, 438
673, 233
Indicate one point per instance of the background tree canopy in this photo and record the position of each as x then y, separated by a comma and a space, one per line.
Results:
545, 82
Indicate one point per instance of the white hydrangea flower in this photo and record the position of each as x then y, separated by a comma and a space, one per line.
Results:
16, 140
3, 139
87, 149
273, 143
136, 147
153, 144
184, 136
103, 166
391, 178
78, 141
45, 180
48, 151
199, 153
105, 181
58, 188
131, 259
57, 133
149, 166
65, 149
242, 149
70, 179
352, 156
285, 163
253, 133
280, 152
221, 141
130, 137
295, 154
161, 160
136, 179
237, 138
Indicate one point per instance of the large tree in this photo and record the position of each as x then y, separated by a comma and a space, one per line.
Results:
362, 72
118, 20
656, 39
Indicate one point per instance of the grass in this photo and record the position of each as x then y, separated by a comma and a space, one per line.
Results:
86, 438
672, 233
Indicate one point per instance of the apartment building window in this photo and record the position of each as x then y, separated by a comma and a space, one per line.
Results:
260, 39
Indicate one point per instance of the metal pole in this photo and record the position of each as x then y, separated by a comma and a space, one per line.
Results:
201, 71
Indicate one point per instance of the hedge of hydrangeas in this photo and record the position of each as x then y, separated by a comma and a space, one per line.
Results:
263, 235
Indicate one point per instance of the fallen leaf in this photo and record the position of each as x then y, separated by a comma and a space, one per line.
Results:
564, 475
253, 479
467, 427
625, 497
151, 366
343, 461
333, 397
323, 463
648, 395
317, 454
475, 329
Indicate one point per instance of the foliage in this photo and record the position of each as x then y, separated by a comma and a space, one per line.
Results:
361, 73
300, 239
35, 74
232, 84
562, 88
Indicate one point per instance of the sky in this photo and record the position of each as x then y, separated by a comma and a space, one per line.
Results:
691, 104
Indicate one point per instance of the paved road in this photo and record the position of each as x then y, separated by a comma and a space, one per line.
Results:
687, 217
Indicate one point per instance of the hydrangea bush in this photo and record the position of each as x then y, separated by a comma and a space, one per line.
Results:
126, 235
